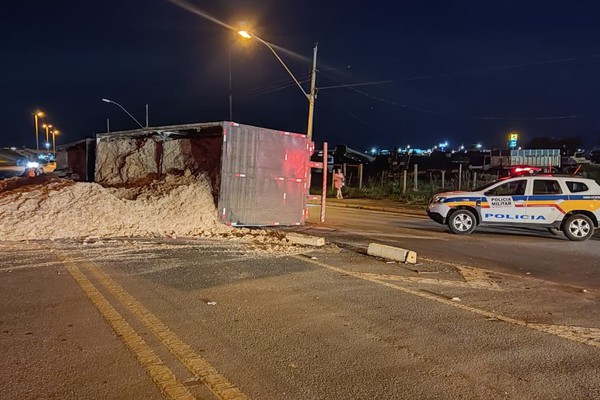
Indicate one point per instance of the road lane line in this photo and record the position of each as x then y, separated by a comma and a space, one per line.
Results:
461, 268
213, 380
568, 333
431, 281
162, 376
592, 334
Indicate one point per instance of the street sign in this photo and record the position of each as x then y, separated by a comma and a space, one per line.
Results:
513, 137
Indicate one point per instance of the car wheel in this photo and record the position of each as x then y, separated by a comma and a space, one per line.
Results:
578, 227
462, 222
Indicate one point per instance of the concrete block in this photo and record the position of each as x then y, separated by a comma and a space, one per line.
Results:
305, 240
392, 253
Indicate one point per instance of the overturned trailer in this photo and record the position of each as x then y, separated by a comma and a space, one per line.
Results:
259, 177
76, 160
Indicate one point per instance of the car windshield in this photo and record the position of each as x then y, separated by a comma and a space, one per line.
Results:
487, 185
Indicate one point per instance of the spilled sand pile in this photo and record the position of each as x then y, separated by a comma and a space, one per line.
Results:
175, 206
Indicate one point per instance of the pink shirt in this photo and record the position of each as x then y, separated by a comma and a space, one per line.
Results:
338, 180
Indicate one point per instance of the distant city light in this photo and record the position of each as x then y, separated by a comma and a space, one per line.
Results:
462, 147
47, 145
373, 150
479, 146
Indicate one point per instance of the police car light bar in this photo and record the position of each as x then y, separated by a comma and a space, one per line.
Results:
523, 169
526, 170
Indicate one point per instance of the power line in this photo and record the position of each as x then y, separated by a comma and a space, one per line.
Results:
438, 113
282, 82
499, 68
354, 85
274, 89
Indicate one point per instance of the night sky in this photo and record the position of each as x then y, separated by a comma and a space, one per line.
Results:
462, 71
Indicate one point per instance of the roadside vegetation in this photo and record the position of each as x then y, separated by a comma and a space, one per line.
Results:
427, 186
591, 171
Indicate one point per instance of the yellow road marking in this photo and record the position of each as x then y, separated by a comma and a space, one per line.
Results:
162, 376
216, 382
556, 330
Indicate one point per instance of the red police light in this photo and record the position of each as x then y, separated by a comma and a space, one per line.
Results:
524, 170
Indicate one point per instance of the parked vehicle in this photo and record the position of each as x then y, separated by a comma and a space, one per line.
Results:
569, 203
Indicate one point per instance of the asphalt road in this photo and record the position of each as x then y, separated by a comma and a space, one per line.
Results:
147, 319
523, 252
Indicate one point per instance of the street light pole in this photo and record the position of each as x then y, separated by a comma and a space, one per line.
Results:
37, 127
313, 81
47, 134
54, 133
47, 127
123, 108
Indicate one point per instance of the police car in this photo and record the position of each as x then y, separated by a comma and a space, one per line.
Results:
569, 203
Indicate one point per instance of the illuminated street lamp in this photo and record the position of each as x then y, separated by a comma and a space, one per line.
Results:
127, 112
47, 126
313, 81
55, 132
36, 115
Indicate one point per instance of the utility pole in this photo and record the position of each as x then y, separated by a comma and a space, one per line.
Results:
312, 95
107, 125
230, 92
146, 115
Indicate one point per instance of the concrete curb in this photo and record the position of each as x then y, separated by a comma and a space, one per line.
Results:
392, 253
305, 240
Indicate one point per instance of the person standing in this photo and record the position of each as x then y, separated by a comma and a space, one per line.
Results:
338, 183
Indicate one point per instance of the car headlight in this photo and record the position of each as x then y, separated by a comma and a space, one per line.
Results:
32, 164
